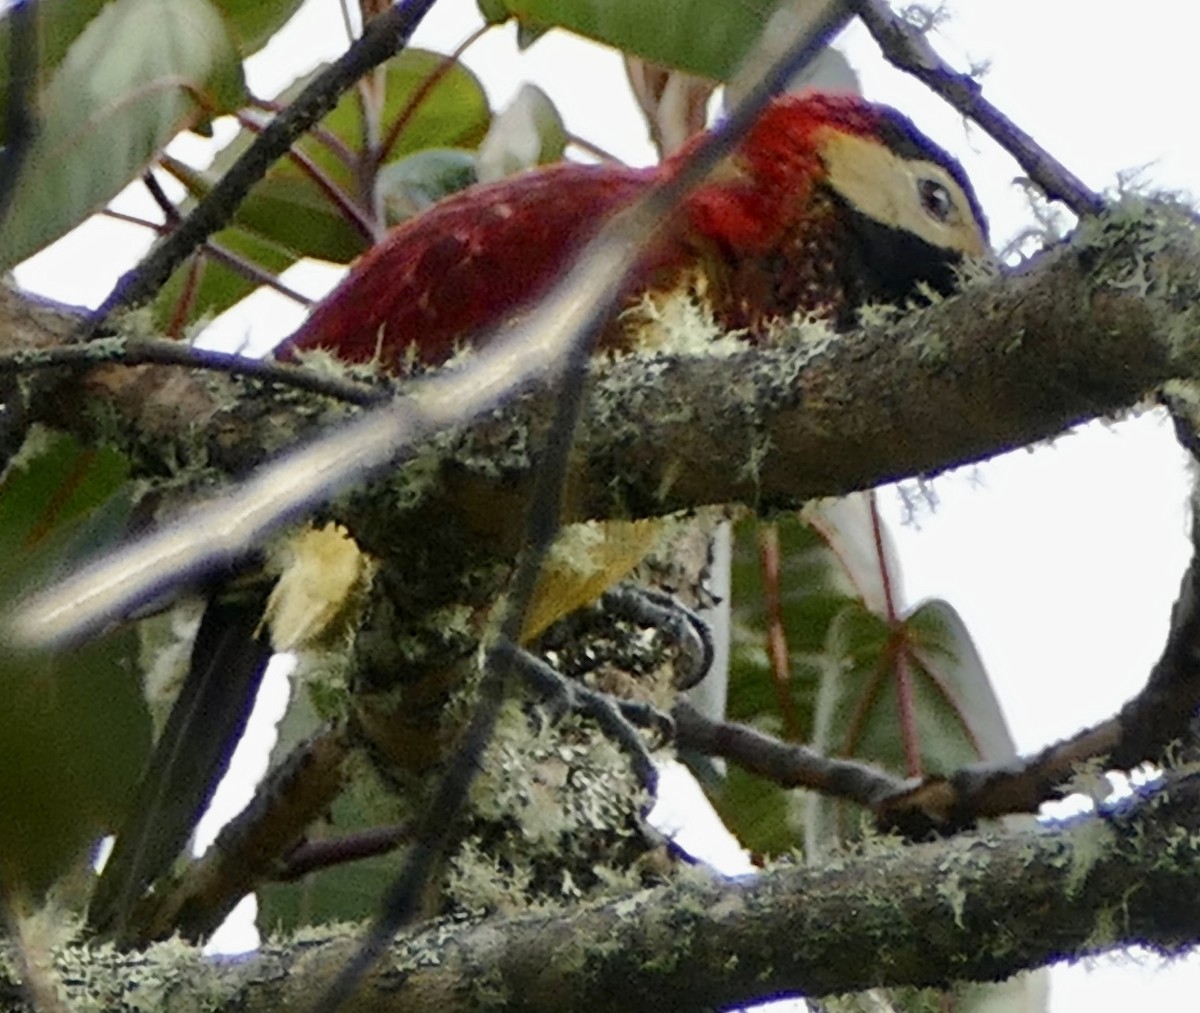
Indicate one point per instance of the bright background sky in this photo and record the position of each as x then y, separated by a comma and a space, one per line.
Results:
1064, 561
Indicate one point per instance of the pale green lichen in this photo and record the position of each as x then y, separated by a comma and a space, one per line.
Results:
678, 323
950, 887
1092, 842
554, 816
760, 452
103, 978
481, 883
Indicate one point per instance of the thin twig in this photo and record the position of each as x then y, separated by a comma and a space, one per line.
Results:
593, 149
252, 272
195, 271
384, 37
312, 856
906, 47
234, 261
171, 215
160, 352
783, 763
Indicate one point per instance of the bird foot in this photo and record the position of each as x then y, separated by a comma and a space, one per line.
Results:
685, 629
618, 719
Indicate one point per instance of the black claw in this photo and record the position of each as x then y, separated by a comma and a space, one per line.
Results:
682, 626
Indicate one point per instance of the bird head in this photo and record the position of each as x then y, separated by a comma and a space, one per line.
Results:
840, 202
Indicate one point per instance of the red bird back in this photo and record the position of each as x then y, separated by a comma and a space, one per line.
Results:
470, 262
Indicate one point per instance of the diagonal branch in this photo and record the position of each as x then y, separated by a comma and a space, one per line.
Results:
784, 763
906, 47
1087, 331
982, 906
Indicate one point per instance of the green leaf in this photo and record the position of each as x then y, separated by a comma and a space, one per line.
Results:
814, 590
74, 731
58, 500
846, 660
253, 22
453, 114
955, 718
141, 71
759, 812
74, 734
495, 12
942, 647
705, 37
59, 23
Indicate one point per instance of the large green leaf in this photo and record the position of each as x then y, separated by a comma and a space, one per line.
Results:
813, 592
57, 499
141, 71
847, 657
839, 585
59, 23
74, 734
287, 205
705, 37
74, 731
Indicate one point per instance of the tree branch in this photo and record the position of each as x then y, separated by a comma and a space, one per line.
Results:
905, 46
1087, 331
978, 907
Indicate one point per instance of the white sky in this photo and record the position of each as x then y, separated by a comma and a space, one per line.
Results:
1063, 561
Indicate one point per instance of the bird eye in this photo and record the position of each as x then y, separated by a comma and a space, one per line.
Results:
935, 199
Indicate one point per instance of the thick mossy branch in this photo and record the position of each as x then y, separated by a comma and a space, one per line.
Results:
972, 908
1088, 330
